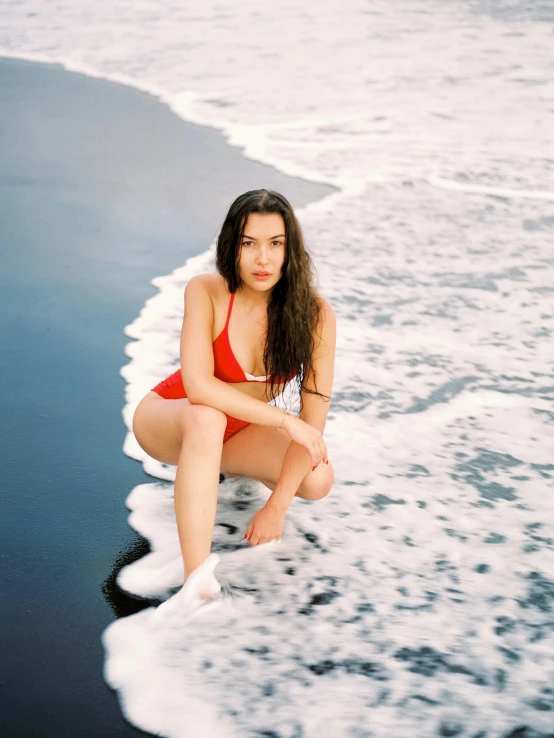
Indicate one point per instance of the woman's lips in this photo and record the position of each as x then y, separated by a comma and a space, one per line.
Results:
261, 275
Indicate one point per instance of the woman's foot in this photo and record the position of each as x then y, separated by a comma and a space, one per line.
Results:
200, 588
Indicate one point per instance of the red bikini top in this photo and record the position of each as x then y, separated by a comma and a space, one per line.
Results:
226, 367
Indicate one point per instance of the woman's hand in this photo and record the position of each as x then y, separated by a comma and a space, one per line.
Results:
265, 526
307, 436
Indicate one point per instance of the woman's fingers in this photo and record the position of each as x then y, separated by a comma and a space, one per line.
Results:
317, 459
257, 541
319, 454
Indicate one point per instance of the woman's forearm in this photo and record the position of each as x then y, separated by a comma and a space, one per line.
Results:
230, 400
296, 465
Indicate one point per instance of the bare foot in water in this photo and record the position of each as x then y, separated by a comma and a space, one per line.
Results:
200, 588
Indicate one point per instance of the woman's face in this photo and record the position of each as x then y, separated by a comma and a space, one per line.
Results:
262, 252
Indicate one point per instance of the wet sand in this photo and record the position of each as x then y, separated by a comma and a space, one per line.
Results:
102, 188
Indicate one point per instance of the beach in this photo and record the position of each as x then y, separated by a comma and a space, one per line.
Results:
102, 188
416, 598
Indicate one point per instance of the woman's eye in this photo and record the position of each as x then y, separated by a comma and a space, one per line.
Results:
276, 243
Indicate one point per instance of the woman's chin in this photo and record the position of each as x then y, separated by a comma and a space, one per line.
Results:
260, 285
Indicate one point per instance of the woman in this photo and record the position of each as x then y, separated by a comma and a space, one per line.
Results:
259, 313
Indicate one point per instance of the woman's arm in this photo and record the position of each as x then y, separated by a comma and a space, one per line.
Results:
315, 408
197, 363
297, 463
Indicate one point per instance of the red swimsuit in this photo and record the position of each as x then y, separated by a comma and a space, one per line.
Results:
226, 368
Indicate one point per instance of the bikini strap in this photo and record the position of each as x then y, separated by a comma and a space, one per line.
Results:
229, 309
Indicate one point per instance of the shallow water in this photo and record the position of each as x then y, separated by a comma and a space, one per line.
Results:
418, 598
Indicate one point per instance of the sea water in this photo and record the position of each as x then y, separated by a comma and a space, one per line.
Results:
417, 598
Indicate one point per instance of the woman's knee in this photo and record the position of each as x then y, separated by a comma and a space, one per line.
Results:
317, 483
203, 422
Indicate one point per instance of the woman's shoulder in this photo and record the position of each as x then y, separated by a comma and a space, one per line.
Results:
214, 284
209, 279
326, 311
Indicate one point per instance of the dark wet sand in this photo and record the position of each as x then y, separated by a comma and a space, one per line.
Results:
102, 188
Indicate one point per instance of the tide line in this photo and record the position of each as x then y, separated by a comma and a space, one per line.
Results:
448, 184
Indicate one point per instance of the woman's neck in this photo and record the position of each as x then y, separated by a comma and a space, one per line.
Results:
252, 300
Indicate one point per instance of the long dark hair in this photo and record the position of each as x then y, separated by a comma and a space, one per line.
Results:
293, 310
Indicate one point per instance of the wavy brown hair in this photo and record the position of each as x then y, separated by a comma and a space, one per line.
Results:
293, 311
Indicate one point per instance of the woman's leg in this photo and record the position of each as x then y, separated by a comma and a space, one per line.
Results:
258, 451
176, 432
197, 482
190, 436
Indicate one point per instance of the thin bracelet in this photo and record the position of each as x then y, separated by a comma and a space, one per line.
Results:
286, 414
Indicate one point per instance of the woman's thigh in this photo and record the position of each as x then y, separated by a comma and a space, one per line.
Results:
160, 425
256, 451
158, 428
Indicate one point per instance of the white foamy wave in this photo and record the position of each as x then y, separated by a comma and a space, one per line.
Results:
492, 191
420, 578
417, 598
359, 93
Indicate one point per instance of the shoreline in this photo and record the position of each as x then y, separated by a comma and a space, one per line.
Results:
103, 188
163, 98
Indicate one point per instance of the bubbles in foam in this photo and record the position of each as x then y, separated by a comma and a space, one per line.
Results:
200, 589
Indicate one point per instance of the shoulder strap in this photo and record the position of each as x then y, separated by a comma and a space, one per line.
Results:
229, 310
